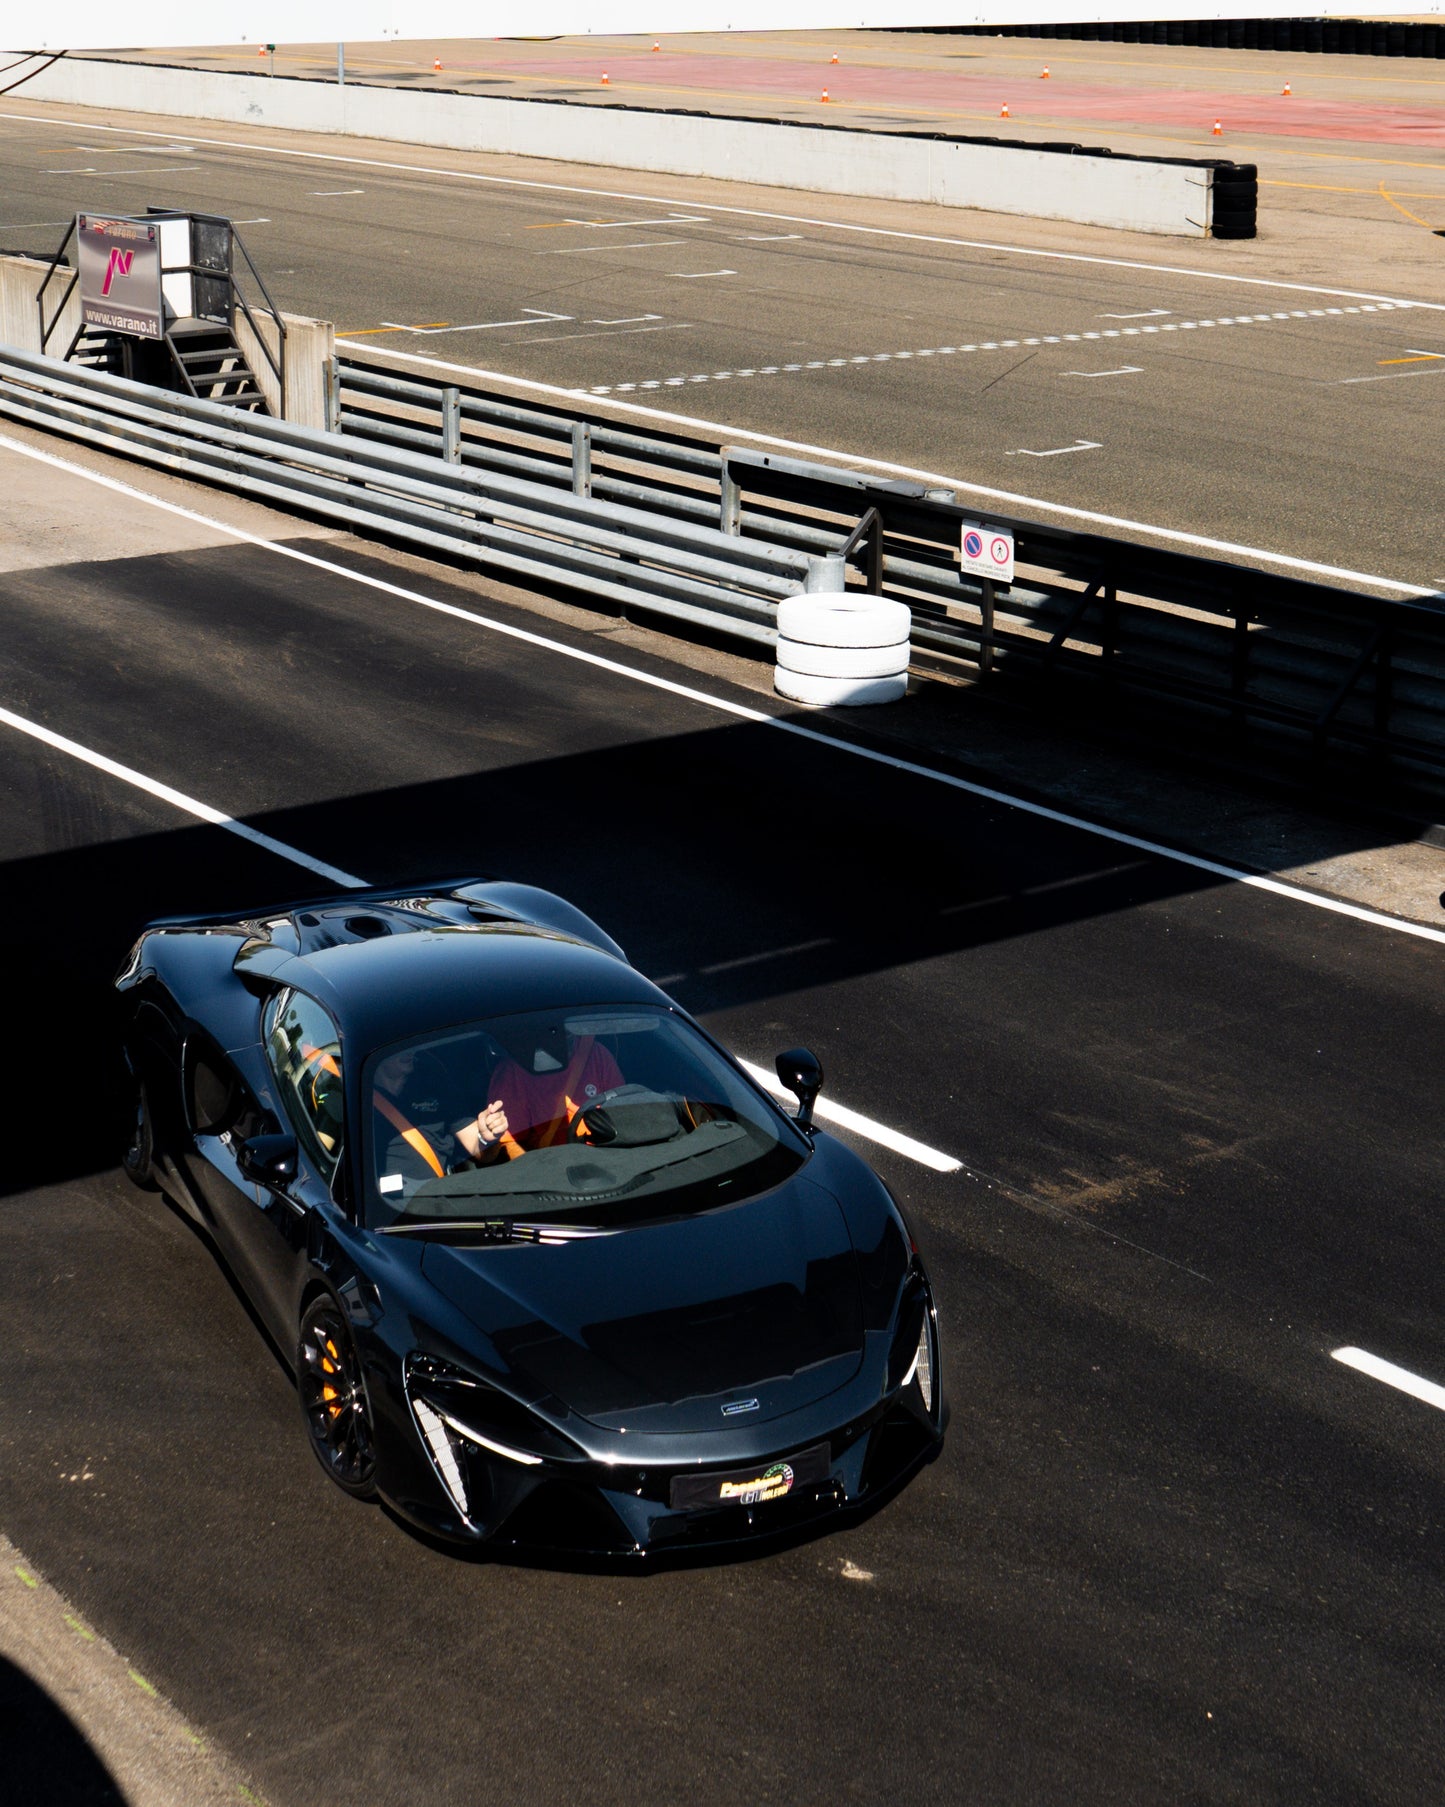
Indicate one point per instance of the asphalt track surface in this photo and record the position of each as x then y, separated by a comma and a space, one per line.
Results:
1291, 413
1172, 1551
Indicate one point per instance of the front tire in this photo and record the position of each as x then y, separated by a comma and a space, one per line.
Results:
334, 1401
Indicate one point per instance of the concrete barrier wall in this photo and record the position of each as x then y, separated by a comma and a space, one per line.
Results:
21, 280
1093, 191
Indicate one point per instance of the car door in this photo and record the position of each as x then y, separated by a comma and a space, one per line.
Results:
221, 1112
303, 1051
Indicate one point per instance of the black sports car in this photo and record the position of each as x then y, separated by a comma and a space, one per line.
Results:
552, 1269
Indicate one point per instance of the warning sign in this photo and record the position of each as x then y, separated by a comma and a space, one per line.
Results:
988, 551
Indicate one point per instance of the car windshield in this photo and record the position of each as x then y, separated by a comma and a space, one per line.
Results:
604, 1116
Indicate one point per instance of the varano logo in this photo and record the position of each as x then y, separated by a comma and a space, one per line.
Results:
119, 265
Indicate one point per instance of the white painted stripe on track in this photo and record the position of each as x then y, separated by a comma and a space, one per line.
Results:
859, 1124
745, 712
1401, 1378
178, 799
755, 213
951, 351
720, 429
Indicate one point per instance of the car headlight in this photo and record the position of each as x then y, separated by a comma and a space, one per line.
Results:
914, 1360
460, 1417
921, 1369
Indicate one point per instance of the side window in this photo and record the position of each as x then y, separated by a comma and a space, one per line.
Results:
305, 1054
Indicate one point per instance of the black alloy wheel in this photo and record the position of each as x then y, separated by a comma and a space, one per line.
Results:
333, 1399
138, 1161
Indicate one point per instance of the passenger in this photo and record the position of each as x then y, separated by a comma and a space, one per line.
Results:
550, 1077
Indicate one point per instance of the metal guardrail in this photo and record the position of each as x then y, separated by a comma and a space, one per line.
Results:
631, 556
1100, 620
713, 537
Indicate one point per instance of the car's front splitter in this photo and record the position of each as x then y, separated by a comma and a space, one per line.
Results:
596, 1511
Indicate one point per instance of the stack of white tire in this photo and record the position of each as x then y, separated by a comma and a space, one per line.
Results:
835, 649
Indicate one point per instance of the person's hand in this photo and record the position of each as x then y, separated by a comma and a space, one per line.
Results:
491, 1123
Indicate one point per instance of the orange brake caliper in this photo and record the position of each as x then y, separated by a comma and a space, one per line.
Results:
329, 1394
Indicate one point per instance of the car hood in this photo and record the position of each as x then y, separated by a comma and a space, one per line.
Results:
659, 1328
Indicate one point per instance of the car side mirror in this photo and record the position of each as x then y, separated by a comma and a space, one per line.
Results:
268, 1160
801, 1072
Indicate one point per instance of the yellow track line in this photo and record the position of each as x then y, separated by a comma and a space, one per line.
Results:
372, 332
1405, 210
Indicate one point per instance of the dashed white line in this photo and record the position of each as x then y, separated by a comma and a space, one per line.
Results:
1058, 451
698, 275
949, 351
537, 317
651, 244
1123, 370
860, 1125
1427, 1391
672, 219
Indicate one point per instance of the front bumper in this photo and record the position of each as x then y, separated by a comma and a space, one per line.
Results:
595, 1509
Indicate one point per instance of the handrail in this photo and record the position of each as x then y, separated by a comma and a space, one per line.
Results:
277, 359
47, 329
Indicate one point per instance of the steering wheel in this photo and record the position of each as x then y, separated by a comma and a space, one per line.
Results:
579, 1130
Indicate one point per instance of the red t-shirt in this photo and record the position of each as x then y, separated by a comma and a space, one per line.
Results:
540, 1106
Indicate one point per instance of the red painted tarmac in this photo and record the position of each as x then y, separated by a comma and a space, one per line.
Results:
981, 95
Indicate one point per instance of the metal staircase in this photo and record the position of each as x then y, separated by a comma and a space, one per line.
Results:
198, 352
200, 359
213, 366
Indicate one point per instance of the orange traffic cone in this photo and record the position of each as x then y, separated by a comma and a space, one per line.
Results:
823, 95
834, 57
657, 47
1286, 88
261, 50
437, 65
1045, 76
1003, 111
604, 78
1218, 129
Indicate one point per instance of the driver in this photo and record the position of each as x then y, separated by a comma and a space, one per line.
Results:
414, 1125
537, 1092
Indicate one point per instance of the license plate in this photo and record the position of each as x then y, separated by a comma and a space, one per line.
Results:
760, 1485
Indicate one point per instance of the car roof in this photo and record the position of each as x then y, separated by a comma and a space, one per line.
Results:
394, 986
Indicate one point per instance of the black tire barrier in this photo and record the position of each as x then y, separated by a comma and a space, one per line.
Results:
1329, 37
1235, 208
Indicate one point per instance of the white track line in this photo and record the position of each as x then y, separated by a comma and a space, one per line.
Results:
178, 799
949, 351
721, 430
744, 712
860, 1125
1378, 1369
755, 213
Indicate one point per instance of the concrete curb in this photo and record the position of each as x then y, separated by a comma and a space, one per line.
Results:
153, 1756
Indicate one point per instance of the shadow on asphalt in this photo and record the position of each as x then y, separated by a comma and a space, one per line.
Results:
44, 1756
734, 864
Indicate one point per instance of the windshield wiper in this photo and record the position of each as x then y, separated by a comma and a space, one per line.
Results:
497, 1230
